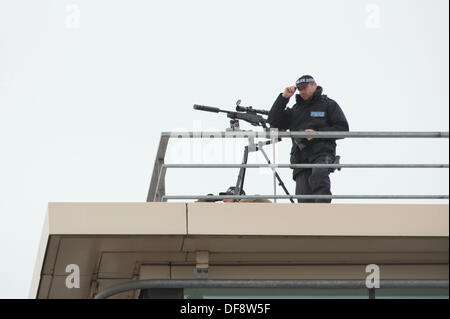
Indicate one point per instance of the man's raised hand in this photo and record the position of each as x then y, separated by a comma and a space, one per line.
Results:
289, 91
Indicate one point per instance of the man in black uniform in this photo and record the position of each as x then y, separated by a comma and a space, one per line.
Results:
312, 112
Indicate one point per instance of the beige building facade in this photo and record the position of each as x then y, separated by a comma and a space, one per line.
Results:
89, 247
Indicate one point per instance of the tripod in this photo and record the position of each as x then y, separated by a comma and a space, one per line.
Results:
251, 116
252, 147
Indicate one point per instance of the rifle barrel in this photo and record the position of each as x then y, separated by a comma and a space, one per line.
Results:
207, 108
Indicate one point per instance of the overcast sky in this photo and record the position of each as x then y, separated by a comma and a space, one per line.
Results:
86, 88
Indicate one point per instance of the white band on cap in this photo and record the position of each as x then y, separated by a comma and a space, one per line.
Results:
300, 81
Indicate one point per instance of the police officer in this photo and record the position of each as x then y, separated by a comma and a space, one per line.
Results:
313, 111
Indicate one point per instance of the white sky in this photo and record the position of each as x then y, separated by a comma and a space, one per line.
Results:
83, 101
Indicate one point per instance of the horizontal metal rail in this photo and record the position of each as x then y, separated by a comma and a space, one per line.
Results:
219, 197
302, 283
302, 134
306, 165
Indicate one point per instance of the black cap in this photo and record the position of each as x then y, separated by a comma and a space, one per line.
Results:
230, 191
304, 80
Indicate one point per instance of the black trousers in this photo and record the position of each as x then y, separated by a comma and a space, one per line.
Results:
315, 181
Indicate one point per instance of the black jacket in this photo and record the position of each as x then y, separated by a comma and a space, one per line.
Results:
319, 113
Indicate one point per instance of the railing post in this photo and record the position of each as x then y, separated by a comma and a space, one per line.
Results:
157, 184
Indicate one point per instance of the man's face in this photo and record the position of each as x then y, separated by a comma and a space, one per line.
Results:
306, 92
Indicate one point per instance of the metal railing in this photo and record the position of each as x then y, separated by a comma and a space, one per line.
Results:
286, 283
157, 184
